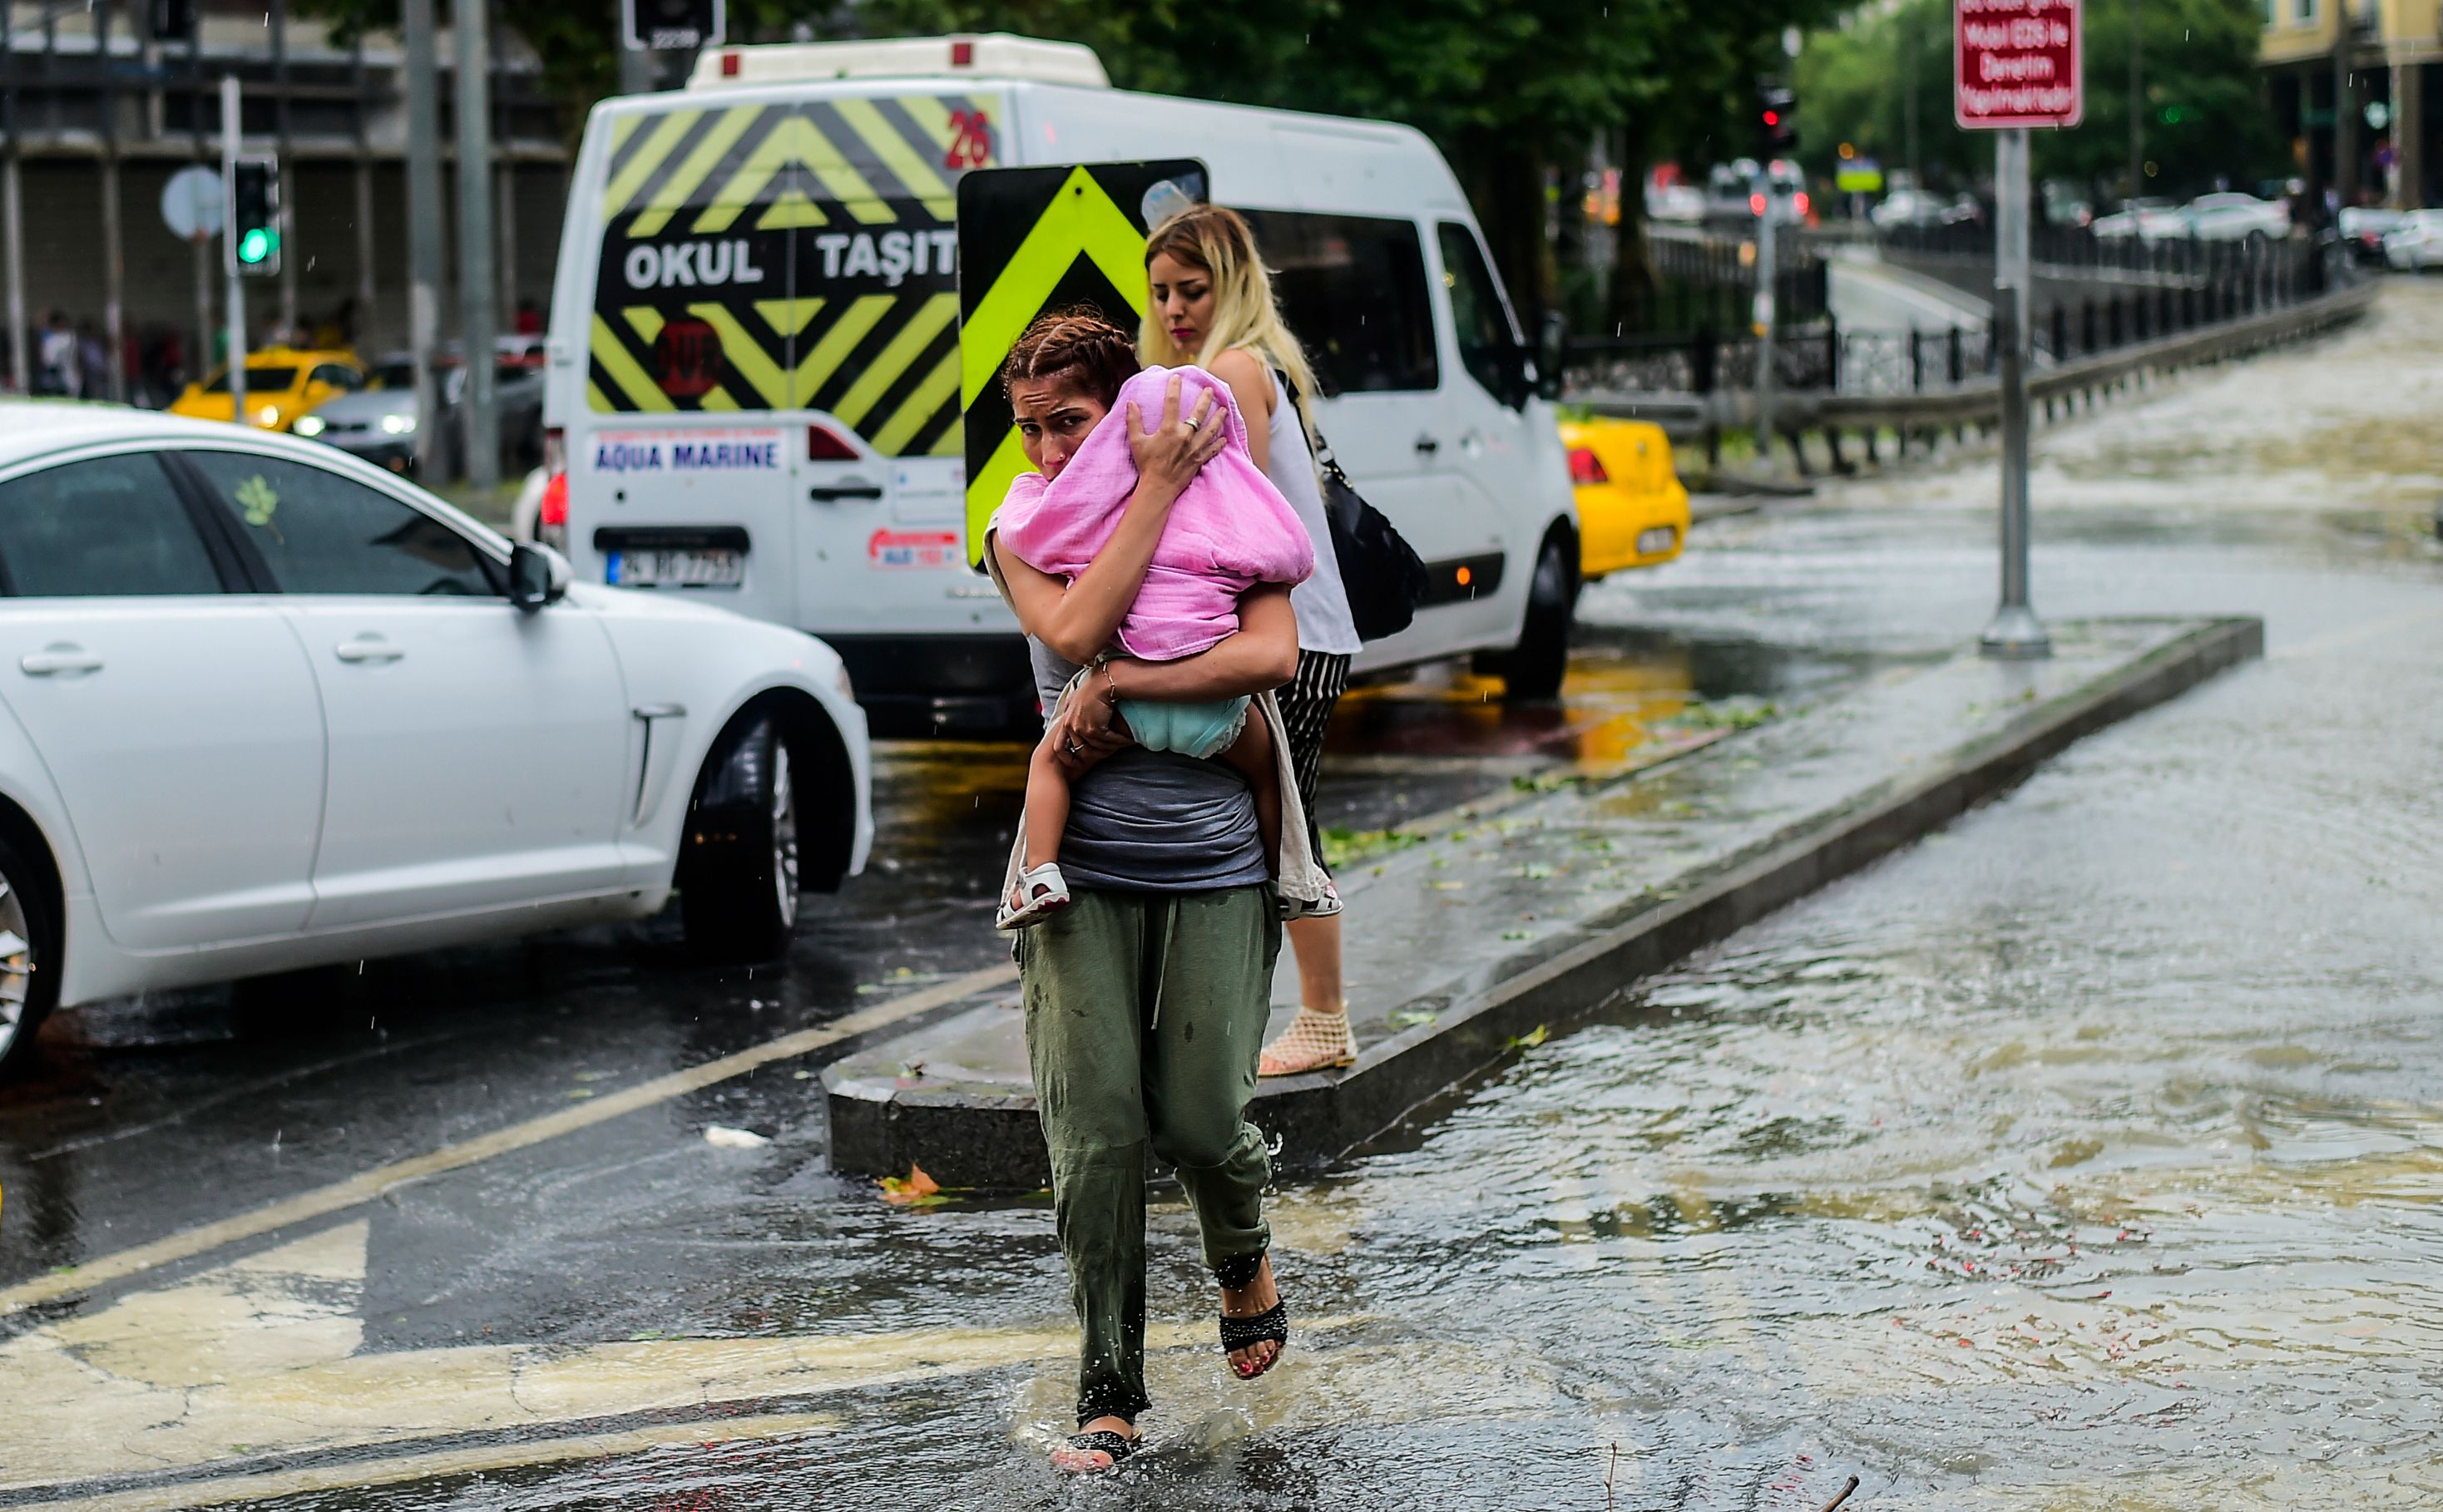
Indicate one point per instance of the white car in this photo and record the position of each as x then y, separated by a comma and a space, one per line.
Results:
2230, 216
2417, 245
273, 707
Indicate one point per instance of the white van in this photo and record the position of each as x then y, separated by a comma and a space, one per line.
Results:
755, 379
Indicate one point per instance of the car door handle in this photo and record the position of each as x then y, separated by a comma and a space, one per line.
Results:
52, 660
1428, 445
834, 495
367, 648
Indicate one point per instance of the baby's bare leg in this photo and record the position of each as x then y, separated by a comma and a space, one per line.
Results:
1251, 757
1047, 805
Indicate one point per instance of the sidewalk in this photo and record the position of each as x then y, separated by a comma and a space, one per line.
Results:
1500, 926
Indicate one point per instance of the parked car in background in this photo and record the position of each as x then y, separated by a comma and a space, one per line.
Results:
379, 423
2231, 216
2362, 229
1632, 508
1919, 207
282, 383
2148, 220
2417, 244
277, 708
1682, 202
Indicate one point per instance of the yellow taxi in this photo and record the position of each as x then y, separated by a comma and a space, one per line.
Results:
1632, 508
282, 384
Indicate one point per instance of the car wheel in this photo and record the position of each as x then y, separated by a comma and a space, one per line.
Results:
738, 875
1534, 668
30, 979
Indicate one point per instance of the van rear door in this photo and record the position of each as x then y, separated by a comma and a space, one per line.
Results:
681, 481
774, 346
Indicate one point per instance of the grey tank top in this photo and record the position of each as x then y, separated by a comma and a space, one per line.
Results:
1153, 821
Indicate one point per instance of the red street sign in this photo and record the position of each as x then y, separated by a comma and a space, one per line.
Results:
2017, 64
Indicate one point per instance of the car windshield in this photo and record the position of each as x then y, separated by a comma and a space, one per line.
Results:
2222, 202
258, 380
396, 375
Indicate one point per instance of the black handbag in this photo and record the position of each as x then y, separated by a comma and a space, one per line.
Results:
1382, 573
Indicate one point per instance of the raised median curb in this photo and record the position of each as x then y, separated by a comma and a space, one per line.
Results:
1868, 777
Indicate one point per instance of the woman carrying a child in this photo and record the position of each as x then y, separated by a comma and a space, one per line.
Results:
1152, 579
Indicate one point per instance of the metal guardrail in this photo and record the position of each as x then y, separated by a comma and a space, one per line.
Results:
1975, 398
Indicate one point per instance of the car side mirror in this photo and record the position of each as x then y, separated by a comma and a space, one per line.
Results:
1552, 353
538, 576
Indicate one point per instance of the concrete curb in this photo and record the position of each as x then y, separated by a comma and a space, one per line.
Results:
995, 1141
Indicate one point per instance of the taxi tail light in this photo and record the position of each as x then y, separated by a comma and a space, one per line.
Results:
1586, 467
823, 443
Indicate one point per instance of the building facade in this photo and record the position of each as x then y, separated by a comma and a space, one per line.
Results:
2380, 61
101, 102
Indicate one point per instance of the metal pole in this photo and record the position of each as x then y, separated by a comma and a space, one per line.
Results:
230, 128
2136, 106
367, 288
2014, 633
470, 23
505, 197
424, 234
287, 180
13, 210
1765, 289
200, 364
637, 68
113, 247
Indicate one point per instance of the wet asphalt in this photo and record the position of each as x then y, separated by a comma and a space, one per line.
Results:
2084, 1156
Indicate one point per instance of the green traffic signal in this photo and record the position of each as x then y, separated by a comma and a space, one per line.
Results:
256, 245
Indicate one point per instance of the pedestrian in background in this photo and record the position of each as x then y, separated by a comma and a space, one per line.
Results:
1210, 302
1145, 998
56, 370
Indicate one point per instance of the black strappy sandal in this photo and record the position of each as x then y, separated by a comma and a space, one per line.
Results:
1102, 1441
1272, 1323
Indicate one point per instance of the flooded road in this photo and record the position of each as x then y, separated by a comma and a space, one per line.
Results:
2086, 1156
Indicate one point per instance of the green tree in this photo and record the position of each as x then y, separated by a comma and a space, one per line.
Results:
2207, 118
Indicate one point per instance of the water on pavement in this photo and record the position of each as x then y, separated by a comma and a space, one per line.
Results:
2088, 1154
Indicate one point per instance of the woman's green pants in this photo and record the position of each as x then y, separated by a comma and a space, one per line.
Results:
1145, 1014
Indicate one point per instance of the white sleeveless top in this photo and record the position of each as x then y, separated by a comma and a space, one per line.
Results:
1322, 604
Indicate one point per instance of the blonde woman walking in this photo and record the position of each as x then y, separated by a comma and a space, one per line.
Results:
1210, 302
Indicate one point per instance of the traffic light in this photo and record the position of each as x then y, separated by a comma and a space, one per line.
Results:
1777, 120
254, 215
674, 25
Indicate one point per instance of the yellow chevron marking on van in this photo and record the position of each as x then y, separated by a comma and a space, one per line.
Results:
623, 127
634, 383
665, 136
920, 405
678, 191
897, 358
931, 113
788, 317
790, 211
991, 486
645, 320
795, 144
1081, 219
717, 399
597, 400
745, 356
898, 157
818, 365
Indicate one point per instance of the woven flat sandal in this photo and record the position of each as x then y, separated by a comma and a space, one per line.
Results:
1315, 1041
1041, 892
1293, 909
1243, 1333
1102, 1441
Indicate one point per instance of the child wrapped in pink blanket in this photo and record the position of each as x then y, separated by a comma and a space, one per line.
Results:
1229, 530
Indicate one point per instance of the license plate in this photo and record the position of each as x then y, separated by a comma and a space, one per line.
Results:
710, 567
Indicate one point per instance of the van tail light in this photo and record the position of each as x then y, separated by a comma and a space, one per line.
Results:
554, 510
1756, 204
823, 443
1586, 467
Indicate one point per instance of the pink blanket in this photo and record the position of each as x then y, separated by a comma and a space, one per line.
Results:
1229, 531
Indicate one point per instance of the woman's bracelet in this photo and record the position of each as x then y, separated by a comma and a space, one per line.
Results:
1110, 684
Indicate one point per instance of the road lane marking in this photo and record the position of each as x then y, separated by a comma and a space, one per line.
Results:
265, 1357
370, 1185
2350, 636
362, 1474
